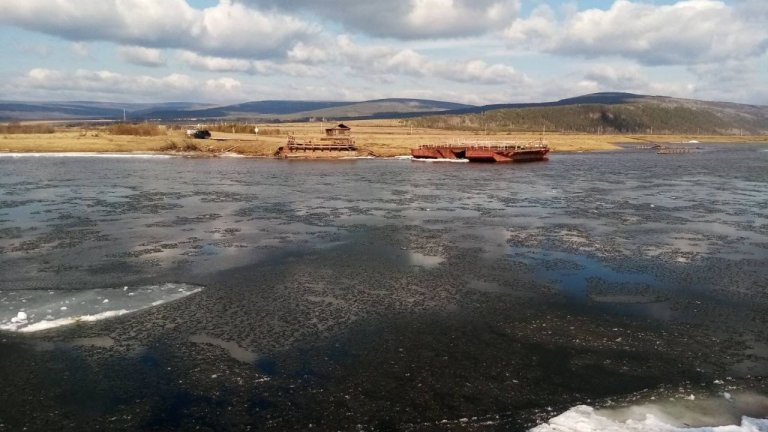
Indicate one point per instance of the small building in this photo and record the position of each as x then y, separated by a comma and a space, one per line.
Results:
340, 130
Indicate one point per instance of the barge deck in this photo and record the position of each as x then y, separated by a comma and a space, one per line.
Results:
484, 151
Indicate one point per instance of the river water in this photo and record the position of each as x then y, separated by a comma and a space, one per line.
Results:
152, 293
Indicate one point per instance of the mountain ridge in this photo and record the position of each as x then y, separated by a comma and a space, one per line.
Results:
591, 113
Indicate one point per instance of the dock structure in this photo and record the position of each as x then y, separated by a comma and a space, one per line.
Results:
484, 151
336, 139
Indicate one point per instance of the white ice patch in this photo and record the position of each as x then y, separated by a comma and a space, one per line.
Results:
725, 414
422, 260
35, 310
86, 154
440, 160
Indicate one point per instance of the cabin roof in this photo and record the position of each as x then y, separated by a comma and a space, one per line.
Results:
340, 126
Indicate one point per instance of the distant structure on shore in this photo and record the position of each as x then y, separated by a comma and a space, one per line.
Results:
337, 140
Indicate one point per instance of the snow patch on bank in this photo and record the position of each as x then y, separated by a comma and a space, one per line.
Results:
728, 413
36, 310
85, 155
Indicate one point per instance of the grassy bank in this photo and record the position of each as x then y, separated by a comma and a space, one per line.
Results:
381, 138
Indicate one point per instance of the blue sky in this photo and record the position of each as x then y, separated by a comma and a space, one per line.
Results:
471, 51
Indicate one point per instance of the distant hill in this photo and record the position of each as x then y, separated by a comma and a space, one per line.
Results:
80, 110
592, 113
303, 110
609, 113
276, 110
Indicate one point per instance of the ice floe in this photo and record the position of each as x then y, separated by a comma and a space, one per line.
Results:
440, 160
723, 415
29, 311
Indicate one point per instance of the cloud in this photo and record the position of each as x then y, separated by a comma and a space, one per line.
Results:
629, 78
751, 10
407, 19
80, 50
85, 84
106, 82
225, 85
142, 56
370, 62
251, 67
381, 60
227, 29
304, 53
733, 80
683, 33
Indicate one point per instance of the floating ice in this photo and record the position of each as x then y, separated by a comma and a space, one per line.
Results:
34, 310
422, 260
440, 160
677, 416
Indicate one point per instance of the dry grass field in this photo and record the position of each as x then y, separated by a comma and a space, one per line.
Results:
374, 137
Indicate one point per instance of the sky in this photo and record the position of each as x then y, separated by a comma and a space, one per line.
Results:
466, 51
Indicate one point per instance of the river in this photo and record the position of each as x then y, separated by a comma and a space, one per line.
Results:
154, 293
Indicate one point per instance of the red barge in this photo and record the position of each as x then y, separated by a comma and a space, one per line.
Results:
483, 152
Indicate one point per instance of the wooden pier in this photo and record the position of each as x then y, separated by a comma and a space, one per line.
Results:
336, 140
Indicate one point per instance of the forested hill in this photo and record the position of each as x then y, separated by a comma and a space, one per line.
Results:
611, 113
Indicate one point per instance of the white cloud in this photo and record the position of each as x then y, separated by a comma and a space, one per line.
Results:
257, 67
304, 53
214, 64
734, 80
106, 82
142, 56
407, 19
536, 30
683, 33
226, 85
629, 78
227, 29
381, 60
80, 50
107, 85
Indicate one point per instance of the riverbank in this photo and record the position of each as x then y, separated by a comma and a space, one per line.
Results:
384, 138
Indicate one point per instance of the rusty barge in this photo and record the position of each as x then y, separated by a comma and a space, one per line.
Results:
485, 151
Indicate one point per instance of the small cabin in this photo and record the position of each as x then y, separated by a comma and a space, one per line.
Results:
341, 130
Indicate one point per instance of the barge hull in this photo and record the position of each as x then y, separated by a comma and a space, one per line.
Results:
487, 154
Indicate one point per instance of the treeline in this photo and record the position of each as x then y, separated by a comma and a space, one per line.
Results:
612, 119
18, 128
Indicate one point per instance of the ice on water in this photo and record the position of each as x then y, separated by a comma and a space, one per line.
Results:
35, 310
675, 416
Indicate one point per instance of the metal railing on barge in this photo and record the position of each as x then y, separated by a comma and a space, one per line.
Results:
489, 145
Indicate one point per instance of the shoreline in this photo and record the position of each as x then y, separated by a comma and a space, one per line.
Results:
378, 138
369, 154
